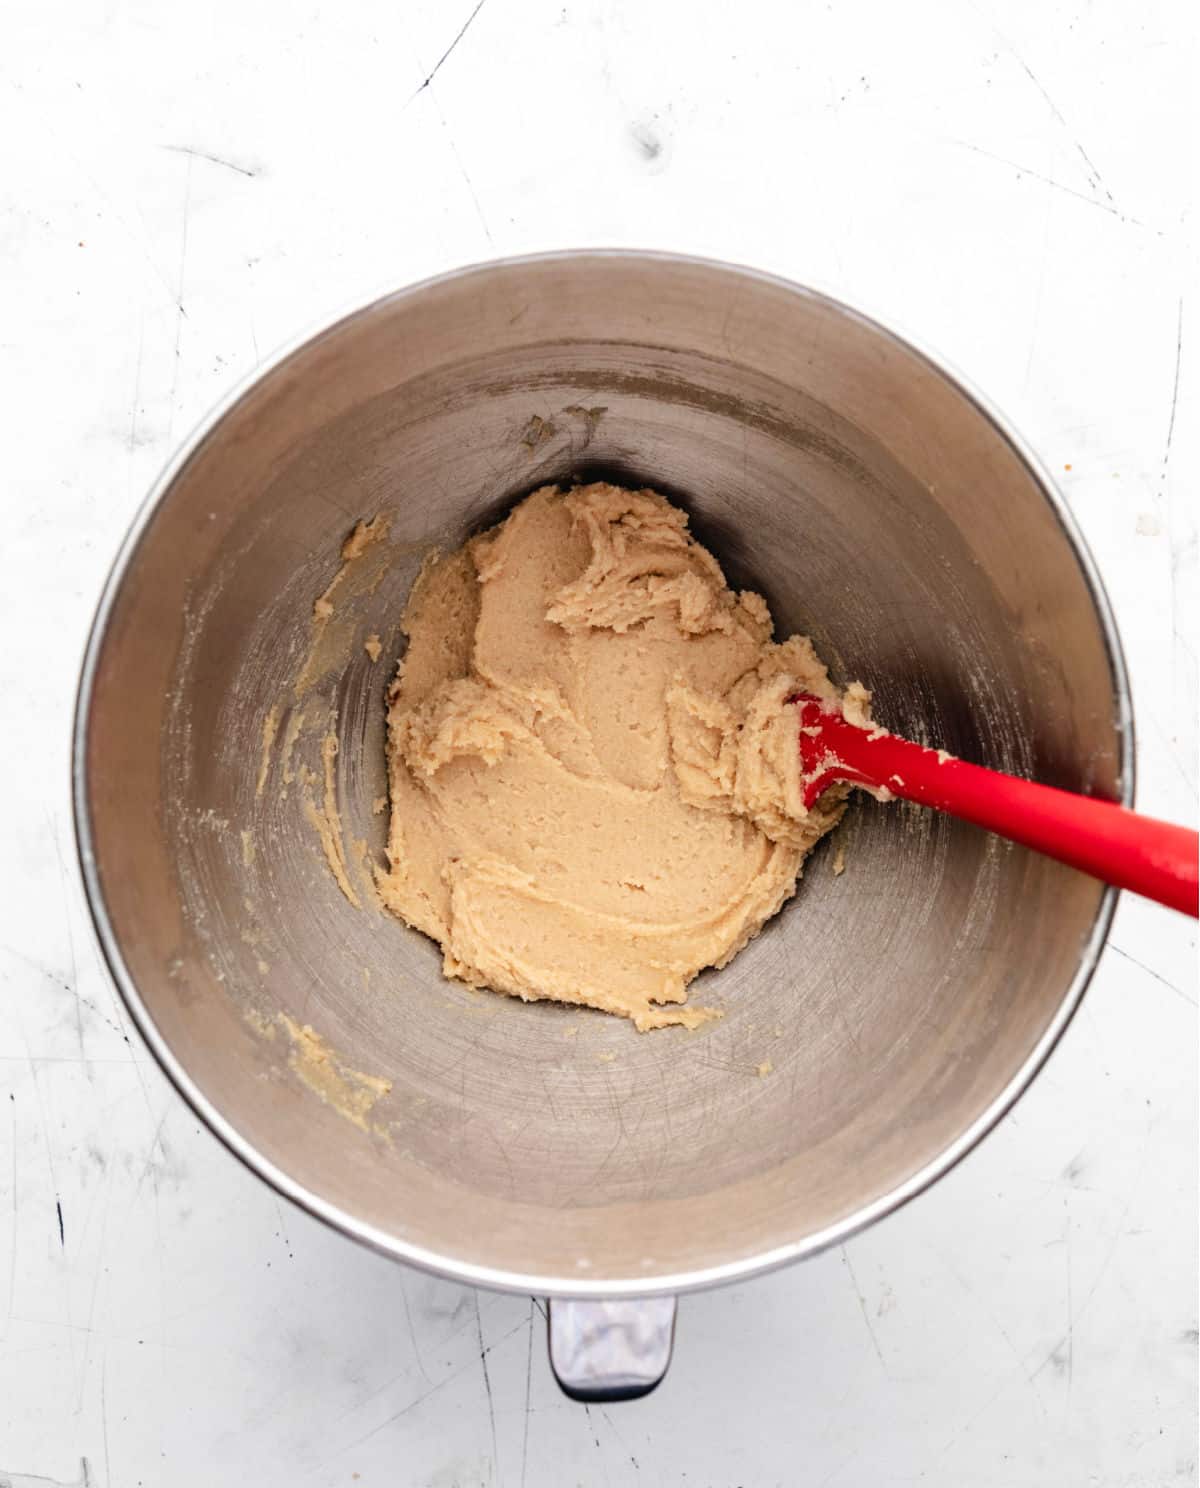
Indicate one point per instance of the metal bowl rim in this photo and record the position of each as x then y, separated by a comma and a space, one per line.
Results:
580, 1286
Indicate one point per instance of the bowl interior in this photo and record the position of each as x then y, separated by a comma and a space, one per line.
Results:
830, 467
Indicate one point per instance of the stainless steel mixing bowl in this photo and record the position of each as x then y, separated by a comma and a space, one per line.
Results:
879, 505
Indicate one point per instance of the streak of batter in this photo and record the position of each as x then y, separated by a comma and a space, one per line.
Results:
592, 760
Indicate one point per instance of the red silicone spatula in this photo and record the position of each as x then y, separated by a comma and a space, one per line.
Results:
1133, 852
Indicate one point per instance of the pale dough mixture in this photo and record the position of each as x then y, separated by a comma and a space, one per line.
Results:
592, 760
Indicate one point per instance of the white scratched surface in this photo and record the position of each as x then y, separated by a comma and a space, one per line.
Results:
184, 186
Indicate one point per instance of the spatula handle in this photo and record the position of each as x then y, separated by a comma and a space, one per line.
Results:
1135, 852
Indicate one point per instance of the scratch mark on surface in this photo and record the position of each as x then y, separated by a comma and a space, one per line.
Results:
549, 1097
1118, 1233
242, 170
66, 904
528, 1379
437, 66
283, 1234
26, 1480
359, 1405
1025, 170
182, 315
587, 1411
844, 1023
66, 986
1178, 991
148, 1168
624, 1445
487, 1380
63, 1059
1169, 753
845, 1462
23, 1480
1070, 1320
12, 1259
1174, 398
862, 1302
97, 1274
62, 1237
48, 1145
1093, 174
425, 1394
965, 1428
412, 1333
470, 185
970, 1291
108, 1477
137, 385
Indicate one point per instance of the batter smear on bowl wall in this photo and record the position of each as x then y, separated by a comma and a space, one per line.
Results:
593, 760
